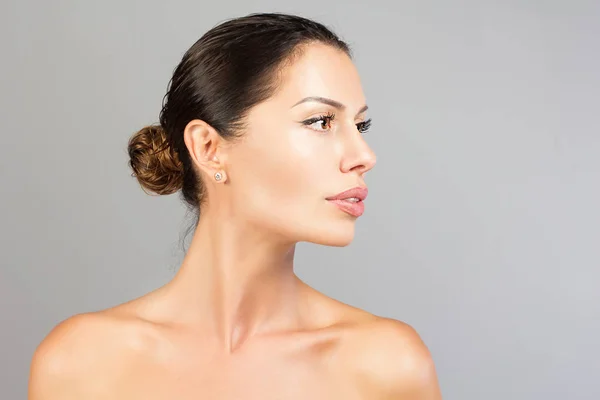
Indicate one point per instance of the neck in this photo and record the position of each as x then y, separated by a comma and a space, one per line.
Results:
237, 282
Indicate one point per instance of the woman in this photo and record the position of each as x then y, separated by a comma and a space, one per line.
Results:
261, 130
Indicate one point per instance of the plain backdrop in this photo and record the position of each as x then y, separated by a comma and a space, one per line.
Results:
482, 228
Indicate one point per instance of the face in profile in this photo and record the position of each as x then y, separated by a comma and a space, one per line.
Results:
297, 153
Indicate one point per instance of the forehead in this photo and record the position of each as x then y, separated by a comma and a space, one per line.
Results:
321, 70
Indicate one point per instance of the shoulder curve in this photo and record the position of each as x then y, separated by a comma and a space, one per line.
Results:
55, 359
73, 349
396, 361
64, 340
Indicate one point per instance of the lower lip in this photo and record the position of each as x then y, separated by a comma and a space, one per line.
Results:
353, 208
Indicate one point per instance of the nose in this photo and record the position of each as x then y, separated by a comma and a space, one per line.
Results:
358, 156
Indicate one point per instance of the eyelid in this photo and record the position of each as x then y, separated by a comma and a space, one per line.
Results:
328, 117
362, 126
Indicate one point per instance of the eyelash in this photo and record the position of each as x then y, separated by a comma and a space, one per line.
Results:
363, 127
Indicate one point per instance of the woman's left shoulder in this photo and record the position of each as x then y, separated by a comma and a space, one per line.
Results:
391, 357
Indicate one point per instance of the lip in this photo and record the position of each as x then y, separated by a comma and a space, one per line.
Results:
360, 192
353, 208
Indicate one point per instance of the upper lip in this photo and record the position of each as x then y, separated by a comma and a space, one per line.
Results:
359, 192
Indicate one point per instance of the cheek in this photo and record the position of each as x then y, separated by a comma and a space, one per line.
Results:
286, 175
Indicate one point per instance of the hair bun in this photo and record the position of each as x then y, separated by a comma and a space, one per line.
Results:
154, 162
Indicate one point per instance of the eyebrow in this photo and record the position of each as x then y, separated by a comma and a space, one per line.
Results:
329, 102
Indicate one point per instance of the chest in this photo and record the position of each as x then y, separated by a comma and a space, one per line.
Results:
275, 368
262, 380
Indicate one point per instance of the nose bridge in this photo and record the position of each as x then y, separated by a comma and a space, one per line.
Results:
357, 153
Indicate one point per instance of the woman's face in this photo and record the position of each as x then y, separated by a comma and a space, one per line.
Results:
281, 174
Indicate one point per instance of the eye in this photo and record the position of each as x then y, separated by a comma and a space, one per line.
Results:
363, 127
321, 123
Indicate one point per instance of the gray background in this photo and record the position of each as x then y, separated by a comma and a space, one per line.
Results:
482, 228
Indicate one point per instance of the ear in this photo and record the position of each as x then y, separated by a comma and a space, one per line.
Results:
205, 146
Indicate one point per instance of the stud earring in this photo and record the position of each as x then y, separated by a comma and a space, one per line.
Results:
218, 176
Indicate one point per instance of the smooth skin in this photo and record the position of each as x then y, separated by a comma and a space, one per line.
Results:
236, 322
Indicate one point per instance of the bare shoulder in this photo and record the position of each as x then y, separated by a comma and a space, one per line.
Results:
392, 360
385, 357
68, 362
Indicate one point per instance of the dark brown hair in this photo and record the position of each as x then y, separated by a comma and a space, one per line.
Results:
230, 69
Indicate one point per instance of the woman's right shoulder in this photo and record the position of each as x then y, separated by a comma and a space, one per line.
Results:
82, 349
71, 339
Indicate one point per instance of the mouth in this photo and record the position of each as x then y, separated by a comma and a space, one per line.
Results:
351, 201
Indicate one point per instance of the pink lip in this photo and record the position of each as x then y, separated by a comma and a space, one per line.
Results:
359, 192
353, 208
